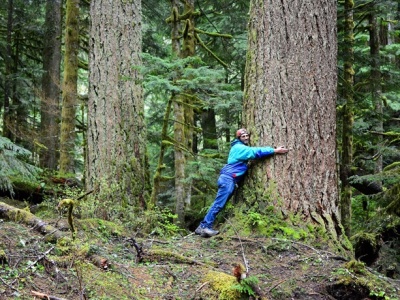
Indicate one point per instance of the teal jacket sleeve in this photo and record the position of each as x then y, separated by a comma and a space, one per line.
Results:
241, 152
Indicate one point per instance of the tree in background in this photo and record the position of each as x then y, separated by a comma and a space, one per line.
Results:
183, 45
376, 84
70, 97
8, 58
290, 96
50, 98
116, 165
347, 116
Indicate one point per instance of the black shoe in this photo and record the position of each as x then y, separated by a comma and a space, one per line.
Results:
206, 232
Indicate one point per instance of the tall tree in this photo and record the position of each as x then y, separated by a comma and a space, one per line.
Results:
183, 45
376, 78
116, 155
348, 117
70, 83
7, 115
50, 100
290, 96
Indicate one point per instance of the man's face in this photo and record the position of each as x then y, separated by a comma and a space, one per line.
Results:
244, 138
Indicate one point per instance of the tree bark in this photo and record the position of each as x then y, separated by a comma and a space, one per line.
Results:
182, 107
7, 112
50, 99
116, 128
69, 97
290, 98
376, 87
348, 118
209, 129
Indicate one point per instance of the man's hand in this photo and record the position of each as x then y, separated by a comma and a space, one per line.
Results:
281, 150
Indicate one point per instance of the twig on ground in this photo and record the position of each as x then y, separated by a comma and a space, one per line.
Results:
275, 285
200, 287
40, 258
10, 286
186, 236
241, 245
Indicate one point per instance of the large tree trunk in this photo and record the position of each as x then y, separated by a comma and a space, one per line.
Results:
348, 118
116, 128
50, 100
69, 98
290, 96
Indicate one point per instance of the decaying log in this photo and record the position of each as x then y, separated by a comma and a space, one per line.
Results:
12, 213
99, 261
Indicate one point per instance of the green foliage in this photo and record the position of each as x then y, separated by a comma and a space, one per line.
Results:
246, 285
158, 222
255, 219
15, 163
164, 225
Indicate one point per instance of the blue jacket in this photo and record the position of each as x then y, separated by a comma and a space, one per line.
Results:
238, 157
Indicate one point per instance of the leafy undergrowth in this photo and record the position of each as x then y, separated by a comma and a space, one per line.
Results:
108, 262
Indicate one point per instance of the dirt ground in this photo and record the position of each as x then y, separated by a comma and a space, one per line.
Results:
102, 265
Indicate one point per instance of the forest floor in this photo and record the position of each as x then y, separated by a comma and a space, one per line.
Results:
106, 263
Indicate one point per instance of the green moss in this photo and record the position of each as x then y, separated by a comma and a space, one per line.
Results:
223, 284
371, 238
105, 227
392, 166
356, 267
355, 274
3, 257
64, 246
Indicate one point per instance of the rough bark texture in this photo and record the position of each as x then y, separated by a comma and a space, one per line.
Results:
116, 128
290, 96
50, 100
69, 97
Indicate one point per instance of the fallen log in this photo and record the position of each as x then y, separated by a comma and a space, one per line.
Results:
11, 213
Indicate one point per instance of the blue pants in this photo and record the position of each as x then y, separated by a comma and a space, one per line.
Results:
226, 186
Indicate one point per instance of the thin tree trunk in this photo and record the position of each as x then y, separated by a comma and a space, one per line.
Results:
348, 118
376, 88
209, 129
183, 111
69, 97
7, 115
157, 178
50, 100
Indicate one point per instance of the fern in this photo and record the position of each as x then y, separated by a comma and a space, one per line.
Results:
246, 285
14, 162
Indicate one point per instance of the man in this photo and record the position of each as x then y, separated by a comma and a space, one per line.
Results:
232, 173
